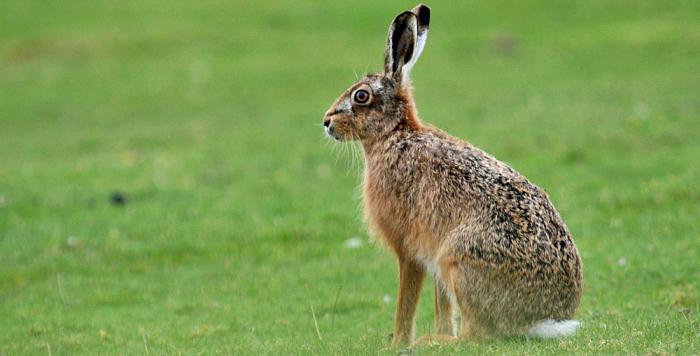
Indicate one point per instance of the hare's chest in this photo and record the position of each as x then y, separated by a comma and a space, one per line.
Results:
383, 211
389, 212
398, 224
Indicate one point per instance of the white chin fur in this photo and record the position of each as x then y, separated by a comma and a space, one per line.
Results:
550, 329
328, 133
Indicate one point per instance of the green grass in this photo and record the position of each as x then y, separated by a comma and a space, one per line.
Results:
207, 116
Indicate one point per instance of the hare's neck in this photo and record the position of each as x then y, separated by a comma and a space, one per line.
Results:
380, 151
375, 147
382, 144
407, 123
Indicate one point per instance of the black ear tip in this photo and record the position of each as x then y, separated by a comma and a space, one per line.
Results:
404, 15
423, 13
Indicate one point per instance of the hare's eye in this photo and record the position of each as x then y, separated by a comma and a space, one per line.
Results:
361, 96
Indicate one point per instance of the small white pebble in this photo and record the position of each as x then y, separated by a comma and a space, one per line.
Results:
642, 110
72, 241
387, 298
622, 261
354, 242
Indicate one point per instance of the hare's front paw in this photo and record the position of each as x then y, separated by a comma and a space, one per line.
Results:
434, 339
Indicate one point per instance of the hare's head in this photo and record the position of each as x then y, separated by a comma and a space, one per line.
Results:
380, 103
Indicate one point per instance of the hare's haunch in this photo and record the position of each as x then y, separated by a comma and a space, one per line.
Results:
500, 253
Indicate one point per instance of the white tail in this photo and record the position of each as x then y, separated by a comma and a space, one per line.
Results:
549, 329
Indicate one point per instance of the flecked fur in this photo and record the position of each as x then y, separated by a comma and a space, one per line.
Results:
498, 249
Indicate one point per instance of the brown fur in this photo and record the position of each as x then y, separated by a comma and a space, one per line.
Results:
497, 247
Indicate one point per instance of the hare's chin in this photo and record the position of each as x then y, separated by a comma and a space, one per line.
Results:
329, 134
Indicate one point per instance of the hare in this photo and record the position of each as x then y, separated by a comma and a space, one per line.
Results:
498, 250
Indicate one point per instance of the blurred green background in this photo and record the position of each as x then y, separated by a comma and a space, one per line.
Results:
205, 116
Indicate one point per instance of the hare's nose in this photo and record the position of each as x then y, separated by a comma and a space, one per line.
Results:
326, 122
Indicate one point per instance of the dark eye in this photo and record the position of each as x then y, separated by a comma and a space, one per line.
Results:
361, 96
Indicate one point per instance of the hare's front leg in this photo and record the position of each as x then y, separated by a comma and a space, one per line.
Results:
444, 325
411, 277
443, 311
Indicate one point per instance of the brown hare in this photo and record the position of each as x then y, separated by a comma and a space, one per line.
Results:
498, 250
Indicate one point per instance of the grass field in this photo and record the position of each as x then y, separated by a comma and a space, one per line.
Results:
206, 116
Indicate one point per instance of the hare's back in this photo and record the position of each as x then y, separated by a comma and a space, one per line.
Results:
503, 202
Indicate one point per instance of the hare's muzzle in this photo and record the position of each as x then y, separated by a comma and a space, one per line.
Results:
328, 129
327, 124
335, 117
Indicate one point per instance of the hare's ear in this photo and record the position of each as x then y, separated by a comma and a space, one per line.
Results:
423, 14
405, 42
400, 45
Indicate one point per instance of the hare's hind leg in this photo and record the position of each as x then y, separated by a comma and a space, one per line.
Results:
464, 282
451, 285
444, 323
470, 328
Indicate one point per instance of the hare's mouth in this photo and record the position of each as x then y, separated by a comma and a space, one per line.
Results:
330, 133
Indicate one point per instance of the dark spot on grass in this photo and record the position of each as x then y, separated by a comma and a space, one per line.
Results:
117, 198
504, 44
